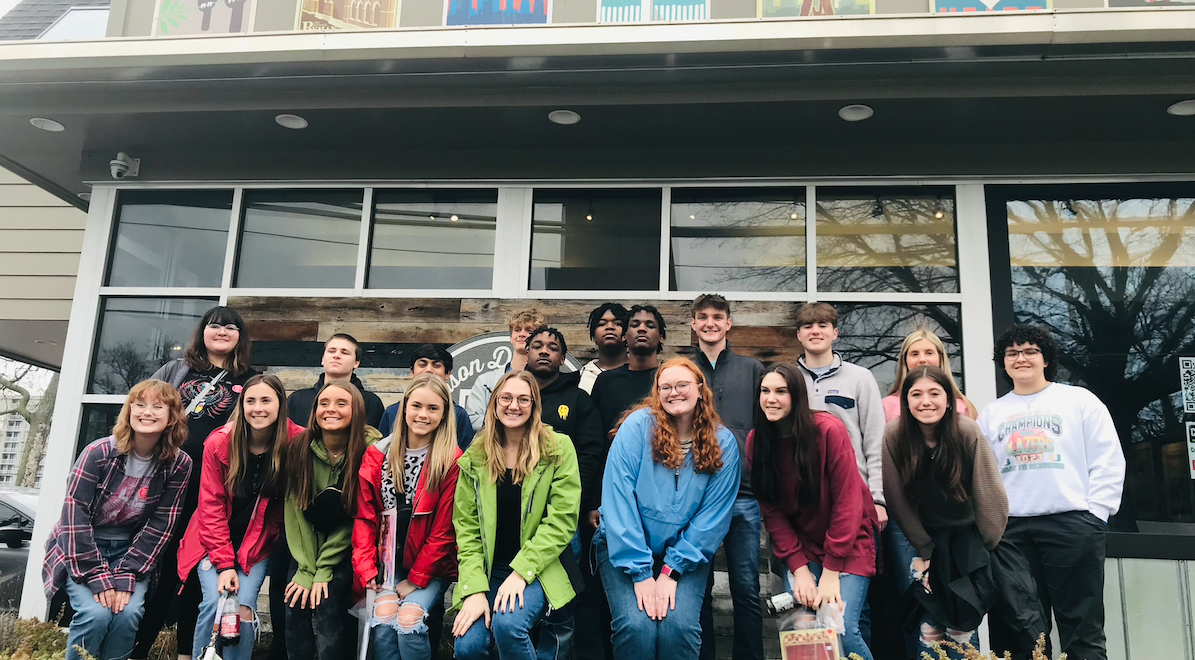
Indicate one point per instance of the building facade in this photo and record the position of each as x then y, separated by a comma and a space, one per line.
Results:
917, 165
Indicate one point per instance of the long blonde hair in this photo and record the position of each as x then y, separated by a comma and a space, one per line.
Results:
902, 366
175, 433
536, 444
442, 454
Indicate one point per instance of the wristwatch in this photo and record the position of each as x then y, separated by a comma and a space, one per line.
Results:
667, 571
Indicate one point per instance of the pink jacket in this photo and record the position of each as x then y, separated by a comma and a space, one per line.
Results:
208, 534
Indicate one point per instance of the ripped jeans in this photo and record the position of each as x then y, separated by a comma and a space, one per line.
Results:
397, 628
250, 587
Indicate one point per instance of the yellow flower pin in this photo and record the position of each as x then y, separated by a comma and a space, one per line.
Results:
562, 411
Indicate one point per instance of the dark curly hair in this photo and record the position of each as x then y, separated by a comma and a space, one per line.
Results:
552, 332
596, 315
1023, 333
650, 309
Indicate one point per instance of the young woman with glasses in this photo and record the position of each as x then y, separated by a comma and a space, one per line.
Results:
239, 520
122, 500
209, 377
815, 506
404, 546
321, 499
670, 482
518, 500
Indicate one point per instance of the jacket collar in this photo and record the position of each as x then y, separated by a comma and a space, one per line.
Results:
834, 366
724, 355
352, 379
473, 460
563, 382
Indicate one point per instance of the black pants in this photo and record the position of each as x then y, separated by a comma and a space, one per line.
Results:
157, 606
327, 632
279, 578
1066, 554
591, 635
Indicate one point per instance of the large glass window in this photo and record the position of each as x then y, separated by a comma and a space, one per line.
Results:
738, 240
174, 238
97, 422
1111, 272
138, 335
596, 240
870, 335
300, 239
886, 240
434, 239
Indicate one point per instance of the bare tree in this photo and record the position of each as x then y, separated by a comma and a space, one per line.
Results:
37, 417
121, 366
1106, 277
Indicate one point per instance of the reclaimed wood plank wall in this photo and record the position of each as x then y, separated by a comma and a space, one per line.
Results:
763, 330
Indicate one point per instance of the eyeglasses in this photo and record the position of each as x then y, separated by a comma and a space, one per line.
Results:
216, 327
681, 388
505, 400
1012, 353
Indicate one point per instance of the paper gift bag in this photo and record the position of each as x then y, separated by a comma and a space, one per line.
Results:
813, 644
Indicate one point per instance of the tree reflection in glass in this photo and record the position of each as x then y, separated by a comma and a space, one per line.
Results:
1113, 279
886, 241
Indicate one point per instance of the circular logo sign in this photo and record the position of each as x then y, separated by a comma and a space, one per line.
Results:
482, 354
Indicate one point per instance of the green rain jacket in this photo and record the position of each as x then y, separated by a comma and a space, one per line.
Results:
551, 506
318, 554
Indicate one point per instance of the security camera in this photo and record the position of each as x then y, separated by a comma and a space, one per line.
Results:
123, 166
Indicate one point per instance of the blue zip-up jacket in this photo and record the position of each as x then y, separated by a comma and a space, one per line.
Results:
649, 510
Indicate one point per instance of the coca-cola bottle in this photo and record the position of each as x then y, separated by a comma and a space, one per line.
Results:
230, 621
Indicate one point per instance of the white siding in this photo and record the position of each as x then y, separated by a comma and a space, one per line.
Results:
40, 238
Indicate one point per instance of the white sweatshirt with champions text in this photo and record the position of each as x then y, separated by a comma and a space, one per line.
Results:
1057, 450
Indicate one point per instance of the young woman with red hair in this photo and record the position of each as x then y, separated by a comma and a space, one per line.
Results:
671, 478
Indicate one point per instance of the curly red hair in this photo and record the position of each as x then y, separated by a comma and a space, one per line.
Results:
665, 441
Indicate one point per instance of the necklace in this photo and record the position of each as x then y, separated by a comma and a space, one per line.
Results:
334, 455
1029, 402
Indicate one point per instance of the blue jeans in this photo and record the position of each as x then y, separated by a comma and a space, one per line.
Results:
104, 635
250, 586
398, 636
741, 546
635, 636
854, 596
898, 557
509, 634
556, 630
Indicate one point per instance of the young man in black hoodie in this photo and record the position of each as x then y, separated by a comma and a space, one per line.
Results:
342, 356
569, 410
734, 380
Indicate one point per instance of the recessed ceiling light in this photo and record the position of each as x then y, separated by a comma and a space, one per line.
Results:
47, 124
856, 112
46, 342
564, 117
85, 196
1183, 108
454, 218
293, 122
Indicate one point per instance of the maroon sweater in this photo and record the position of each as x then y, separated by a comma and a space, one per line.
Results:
839, 532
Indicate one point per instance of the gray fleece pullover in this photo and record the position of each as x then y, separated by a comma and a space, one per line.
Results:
851, 394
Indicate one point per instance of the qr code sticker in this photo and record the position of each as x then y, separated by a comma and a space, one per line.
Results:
1186, 371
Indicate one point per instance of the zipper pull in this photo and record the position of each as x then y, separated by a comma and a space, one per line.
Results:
676, 479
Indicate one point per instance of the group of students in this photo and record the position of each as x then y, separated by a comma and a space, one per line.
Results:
579, 513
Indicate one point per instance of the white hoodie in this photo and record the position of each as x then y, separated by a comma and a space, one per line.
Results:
1057, 451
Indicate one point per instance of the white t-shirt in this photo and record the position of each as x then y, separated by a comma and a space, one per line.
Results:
1057, 451
589, 374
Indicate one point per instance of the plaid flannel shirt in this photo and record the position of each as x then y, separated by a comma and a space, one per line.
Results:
71, 549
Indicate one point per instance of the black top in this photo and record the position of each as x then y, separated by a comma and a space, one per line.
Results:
569, 410
242, 504
617, 390
734, 381
300, 403
218, 405
508, 539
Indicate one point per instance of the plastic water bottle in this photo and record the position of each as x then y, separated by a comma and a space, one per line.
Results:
230, 621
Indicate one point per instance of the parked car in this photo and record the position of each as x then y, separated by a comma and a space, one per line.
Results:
18, 507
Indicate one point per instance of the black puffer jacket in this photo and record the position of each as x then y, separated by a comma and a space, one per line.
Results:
300, 403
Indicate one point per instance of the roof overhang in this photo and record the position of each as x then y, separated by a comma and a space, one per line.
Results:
201, 108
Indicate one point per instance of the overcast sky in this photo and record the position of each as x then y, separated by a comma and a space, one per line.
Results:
37, 379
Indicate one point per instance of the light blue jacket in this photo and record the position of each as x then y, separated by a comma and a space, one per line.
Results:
649, 510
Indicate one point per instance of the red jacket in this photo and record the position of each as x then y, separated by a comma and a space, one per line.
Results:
208, 535
430, 547
838, 533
